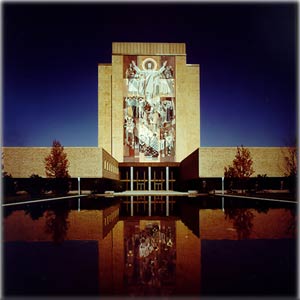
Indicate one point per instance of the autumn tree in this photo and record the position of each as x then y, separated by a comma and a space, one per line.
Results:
241, 167
56, 163
56, 167
9, 184
291, 162
290, 154
4, 173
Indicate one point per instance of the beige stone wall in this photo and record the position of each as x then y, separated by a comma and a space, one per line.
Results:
92, 162
266, 160
21, 162
189, 167
187, 98
110, 166
187, 108
104, 107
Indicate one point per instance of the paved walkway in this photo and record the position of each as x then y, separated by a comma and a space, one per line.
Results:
43, 200
254, 198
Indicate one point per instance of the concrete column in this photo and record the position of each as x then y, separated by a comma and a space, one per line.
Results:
131, 178
79, 186
222, 185
149, 178
167, 178
149, 206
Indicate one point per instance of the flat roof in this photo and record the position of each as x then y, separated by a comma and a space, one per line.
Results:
148, 48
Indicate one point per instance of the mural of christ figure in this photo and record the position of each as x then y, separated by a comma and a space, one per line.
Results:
151, 78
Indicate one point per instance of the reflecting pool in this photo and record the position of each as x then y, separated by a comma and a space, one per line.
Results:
159, 246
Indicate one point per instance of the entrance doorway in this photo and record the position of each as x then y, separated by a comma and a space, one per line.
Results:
149, 178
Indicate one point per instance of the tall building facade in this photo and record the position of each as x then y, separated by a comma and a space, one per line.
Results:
149, 103
148, 126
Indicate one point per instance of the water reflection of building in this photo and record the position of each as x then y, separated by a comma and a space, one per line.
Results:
150, 256
184, 253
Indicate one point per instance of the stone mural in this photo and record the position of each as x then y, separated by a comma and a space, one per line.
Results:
149, 108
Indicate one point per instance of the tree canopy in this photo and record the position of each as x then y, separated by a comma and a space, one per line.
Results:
56, 163
241, 166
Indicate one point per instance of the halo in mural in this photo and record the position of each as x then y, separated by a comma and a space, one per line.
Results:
151, 61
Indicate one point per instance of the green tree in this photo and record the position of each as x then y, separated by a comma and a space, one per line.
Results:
56, 163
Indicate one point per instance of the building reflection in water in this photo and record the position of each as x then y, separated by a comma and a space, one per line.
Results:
150, 251
148, 255
148, 205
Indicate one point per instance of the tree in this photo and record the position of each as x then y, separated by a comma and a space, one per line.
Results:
35, 185
9, 184
4, 173
291, 162
261, 182
241, 166
56, 163
291, 167
56, 167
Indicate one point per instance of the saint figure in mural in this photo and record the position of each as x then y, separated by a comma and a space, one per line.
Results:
167, 82
150, 84
129, 128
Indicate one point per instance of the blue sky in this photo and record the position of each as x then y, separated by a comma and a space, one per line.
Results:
247, 55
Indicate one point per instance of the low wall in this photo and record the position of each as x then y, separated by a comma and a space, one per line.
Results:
94, 162
266, 160
87, 162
